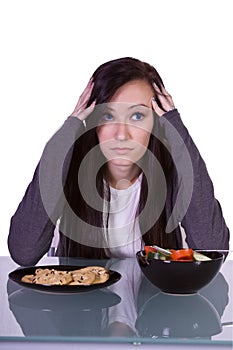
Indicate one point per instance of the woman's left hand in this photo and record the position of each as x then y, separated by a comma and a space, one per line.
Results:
165, 100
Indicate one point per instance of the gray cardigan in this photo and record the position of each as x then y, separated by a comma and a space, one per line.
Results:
190, 199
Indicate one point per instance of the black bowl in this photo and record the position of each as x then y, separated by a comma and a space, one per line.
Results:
179, 277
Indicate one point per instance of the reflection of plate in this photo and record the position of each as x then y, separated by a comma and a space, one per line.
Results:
17, 274
30, 299
61, 315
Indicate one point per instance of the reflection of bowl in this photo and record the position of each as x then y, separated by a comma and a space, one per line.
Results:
173, 316
180, 277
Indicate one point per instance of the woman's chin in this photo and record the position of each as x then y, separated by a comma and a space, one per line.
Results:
119, 162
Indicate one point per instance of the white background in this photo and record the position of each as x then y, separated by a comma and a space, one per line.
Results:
50, 48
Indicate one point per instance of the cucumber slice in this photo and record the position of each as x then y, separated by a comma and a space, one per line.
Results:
200, 257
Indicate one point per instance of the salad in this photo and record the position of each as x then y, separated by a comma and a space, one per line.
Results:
186, 254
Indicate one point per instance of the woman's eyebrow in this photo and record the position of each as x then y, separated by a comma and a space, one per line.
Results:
138, 105
108, 108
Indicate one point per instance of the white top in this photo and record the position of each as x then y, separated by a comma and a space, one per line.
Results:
123, 234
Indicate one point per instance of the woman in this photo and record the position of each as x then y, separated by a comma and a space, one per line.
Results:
120, 173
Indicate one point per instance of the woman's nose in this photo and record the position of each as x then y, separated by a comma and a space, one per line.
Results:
122, 131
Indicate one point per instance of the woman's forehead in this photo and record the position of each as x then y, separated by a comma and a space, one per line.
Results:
136, 92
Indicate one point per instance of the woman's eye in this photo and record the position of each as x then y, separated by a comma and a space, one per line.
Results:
137, 116
107, 117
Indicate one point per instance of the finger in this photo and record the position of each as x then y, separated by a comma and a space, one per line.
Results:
90, 82
164, 91
87, 91
157, 89
84, 113
164, 97
84, 98
156, 107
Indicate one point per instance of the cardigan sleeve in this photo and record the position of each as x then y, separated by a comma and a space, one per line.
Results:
32, 225
195, 206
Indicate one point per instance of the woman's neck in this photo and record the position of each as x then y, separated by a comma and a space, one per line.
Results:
122, 177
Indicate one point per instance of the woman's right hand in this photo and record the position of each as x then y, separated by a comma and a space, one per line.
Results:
80, 111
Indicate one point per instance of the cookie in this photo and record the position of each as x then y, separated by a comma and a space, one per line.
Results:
82, 277
27, 278
101, 273
52, 277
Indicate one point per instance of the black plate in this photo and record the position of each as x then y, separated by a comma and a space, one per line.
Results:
17, 274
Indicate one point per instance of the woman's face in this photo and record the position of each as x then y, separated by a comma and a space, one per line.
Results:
126, 124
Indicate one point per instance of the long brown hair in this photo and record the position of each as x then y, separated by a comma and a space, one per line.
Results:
108, 78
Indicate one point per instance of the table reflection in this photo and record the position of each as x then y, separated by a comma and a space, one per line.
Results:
188, 316
132, 307
44, 314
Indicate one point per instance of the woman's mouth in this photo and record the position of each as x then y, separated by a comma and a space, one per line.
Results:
121, 150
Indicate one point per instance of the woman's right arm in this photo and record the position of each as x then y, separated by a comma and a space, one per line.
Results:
32, 225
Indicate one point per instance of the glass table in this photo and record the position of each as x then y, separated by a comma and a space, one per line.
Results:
130, 312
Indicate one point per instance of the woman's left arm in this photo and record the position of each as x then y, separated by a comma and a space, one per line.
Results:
196, 208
